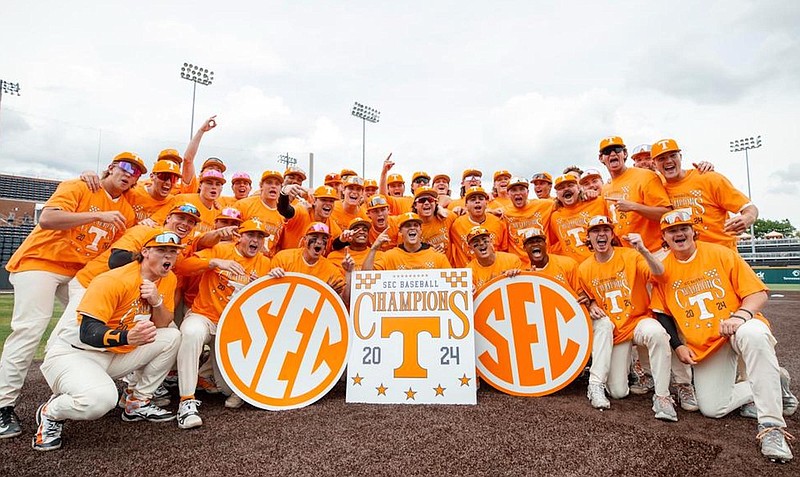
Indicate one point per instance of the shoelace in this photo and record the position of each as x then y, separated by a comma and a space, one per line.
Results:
52, 429
6, 418
685, 393
763, 433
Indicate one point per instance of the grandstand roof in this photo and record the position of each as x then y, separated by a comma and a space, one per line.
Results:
26, 188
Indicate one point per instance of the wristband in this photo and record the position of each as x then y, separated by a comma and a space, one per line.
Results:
160, 302
737, 316
746, 311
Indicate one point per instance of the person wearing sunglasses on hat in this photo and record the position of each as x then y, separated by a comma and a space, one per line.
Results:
616, 281
265, 207
299, 217
76, 225
411, 253
715, 301
350, 206
636, 197
223, 270
542, 185
121, 326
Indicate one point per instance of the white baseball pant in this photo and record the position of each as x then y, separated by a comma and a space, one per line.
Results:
34, 293
83, 380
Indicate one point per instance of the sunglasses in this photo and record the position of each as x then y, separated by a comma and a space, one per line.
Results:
421, 180
129, 168
472, 178
166, 238
189, 209
425, 200
377, 202
618, 149
165, 176
677, 216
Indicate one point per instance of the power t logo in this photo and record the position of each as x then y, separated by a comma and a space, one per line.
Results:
532, 337
282, 343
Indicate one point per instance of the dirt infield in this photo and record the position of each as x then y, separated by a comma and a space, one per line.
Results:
554, 435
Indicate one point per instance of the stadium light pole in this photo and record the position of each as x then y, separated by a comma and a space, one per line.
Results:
366, 114
745, 145
10, 88
196, 74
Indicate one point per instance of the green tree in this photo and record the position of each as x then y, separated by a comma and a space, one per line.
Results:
765, 226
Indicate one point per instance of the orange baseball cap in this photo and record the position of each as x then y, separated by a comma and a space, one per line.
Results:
542, 176
408, 217
676, 217
166, 166
664, 146
599, 220
475, 191
252, 225
471, 172
271, 173
186, 209
325, 192
441, 176
611, 141
333, 178
502, 173
394, 179
318, 228
353, 181
132, 158
230, 213
213, 161
358, 221
163, 238
370, 184
170, 155
296, 171
475, 232
212, 174
347, 173
420, 174
241, 176
425, 190
376, 202
565, 178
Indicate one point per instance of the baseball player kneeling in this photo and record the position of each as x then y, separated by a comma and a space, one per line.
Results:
715, 300
615, 279
121, 326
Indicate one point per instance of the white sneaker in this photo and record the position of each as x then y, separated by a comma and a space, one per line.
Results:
773, 442
136, 410
664, 408
597, 396
686, 397
789, 399
188, 417
233, 402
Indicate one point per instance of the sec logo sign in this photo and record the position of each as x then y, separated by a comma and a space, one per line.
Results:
282, 343
532, 337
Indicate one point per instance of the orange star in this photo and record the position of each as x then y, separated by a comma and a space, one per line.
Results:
357, 379
439, 390
381, 390
410, 394
464, 380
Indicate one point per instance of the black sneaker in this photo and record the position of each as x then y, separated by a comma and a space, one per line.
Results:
48, 434
9, 423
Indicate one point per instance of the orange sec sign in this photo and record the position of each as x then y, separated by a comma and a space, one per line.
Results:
532, 337
282, 342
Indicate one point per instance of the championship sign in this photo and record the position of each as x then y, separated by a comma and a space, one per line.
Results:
532, 337
413, 339
282, 342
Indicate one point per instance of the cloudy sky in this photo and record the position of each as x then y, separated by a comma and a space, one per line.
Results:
521, 85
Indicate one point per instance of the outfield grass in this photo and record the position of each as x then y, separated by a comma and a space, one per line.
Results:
6, 305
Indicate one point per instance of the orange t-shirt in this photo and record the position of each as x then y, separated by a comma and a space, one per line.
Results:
393, 229
115, 299
399, 259
500, 203
292, 261
146, 207
358, 257
226, 201
643, 187
218, 286
535, 214
459, 249
399, 205
710, 196
568, 225
460, 202
481, 275
66, 251
273, 221
702, 292
436, 231
342, 218
294, 229
563, 269
619, 286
